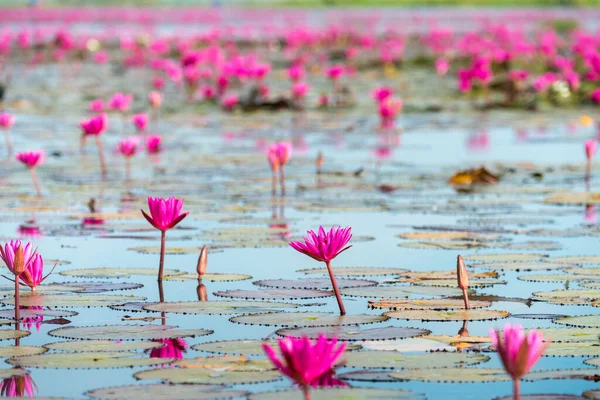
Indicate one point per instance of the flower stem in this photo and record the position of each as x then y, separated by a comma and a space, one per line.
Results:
163, 239
127, 168
466, 299
306, 391
274, 184
36, 183
17, 300
516, 389
336, 290
9, 145
282, 180
101, 155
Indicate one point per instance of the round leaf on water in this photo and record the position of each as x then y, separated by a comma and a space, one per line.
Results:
522, 266
9, 334
274, 294
355, 271
126, 332
557, 349
553, 278
211, 277
581, 321
588, 374
349, 333
455, 315
543, 397
137, 306
396, 360
19, 351
238, 347
165, 392
114, 272
367, 375
407, 345
456, 375
340, 394
504, 257
72, 300
558, 295
573, 335
400, 291
592, 394
425, 304
99, 287
590, 259
297, 319
101, 345
220, 307
448, 235
451, 283
585, 271
33, 313
87, 360
313, 283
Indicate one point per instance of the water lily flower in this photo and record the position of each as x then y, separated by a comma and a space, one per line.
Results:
34, 274
590, 147
173, 348
382, 93
128, 147
17, 258
18, 386
155, 99
120, 102
97, 105
279, 155
140, 121
153, 144
164, 215
304, 361
324, 247
518, 351
32, 159
95, 126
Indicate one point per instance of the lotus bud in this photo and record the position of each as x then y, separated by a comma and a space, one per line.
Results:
19, 263
463, 280
202, 262
319, 162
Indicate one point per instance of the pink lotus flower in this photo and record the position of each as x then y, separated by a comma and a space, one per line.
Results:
282, 151
164, 215
595, 96
590, 147
590, 213
158, 83
31, 158
519, 352
324, 247
33, 276
94, 125
229, 102
7, 254
304, 361
97, 105
442, 66
6, 120
120, 102
173, 348
128, 146
335, 72
295, 72
101, 57
155, 99
382, 93
323, 100
153, 144
18, 386
517, 75
140, 121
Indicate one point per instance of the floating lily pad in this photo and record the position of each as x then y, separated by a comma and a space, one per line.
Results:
165, 392
581, 321
137, 306
101, 345
451, 283
537, 316
355, 271
126, 332
560, 374
114, 272
349, 333
455, 375
505, 257
590, 285
9, 334
340, 394
33, 313
454, 315
583, 349
298, 319
407, 345
396, 360
99, 287
571, 296
400, 291
72, 300
20, 351
237, 347
543, 397
573, 198
553, 278
314, 283
426, 304
87, 360
274, 294
211, 277
367, 375
583, 271
449, 235
573, 335
593, 361
576, 259
523, 266
449, 244
220, 307
8, 291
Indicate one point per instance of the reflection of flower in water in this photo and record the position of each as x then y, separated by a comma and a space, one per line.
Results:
35, 320
92, 221
590, 213
29, 230
383, 153
284, 227
173, 348
18, 386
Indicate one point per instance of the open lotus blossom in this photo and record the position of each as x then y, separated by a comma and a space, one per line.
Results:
382, 93
155, 99
304, 361
595, 96
128, 147
164, 215
153, 144
140, 121
590, 147
388, 110
335, 72
279, 154
518, 351
6, 122
173, 348
32, 159
95, 126
19, 385
97, 105
325, 246
229, 102
18, 259
33, 276
299, 90
120, 102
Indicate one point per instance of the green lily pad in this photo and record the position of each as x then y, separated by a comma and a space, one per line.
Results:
522, 266
126, 332
274, 294
426, 304
400, 291
20, 351
340, 394
297, 319
350, 333
115, 272
101, 345
314, 283
211, 277
355, 271
33, 313
87, 360
455, 375
573, 335
10, 334
397, 360
581, 321
220, 307
576, 259
451, 283
554, 278
583, 349
454, 315
72, 300
165, 392
505, 257
235, 347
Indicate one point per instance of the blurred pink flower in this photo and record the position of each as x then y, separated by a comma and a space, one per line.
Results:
153, 144
97, 105
31, 158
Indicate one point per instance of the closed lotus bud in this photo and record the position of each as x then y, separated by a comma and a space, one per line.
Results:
19, 263
461, 273
319, 161
202, 262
